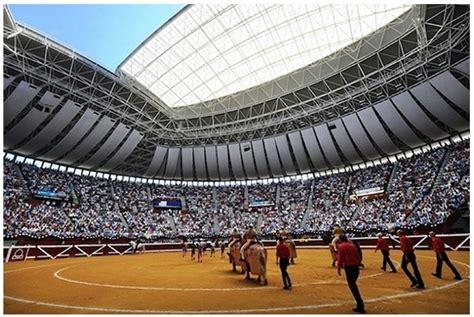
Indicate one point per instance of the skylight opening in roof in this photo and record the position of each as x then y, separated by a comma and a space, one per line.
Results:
211, 51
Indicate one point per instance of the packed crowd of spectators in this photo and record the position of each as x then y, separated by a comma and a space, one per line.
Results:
373, 215
449, 192
230, 203
260, 193
328, 204
412, 181
190, 224
46, 220
12, 183
150, 224
22, 218
170, 191
136, 206
414, 178
200, 212
248, 217
96, 214
40, 179
371, 177
14, 211
424, 190
291, 209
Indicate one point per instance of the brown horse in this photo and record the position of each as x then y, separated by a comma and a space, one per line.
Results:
256, 262
234, 256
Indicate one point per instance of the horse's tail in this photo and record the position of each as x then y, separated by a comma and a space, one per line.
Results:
262, 260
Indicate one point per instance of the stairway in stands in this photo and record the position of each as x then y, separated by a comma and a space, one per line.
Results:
117, 207
392, 175
348, 188
173, 225
353, 215
308, 206
437, 180
438, 174
278, 197
150, 197
246, 197
259, 222
24, 183
75, 199
215, 221
215, 225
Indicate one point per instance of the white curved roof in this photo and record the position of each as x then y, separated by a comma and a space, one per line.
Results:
210, 51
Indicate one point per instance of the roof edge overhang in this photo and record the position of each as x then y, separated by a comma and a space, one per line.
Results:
174, 17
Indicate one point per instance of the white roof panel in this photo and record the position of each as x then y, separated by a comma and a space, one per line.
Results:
210, 51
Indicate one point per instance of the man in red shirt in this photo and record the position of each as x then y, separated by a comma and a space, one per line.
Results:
438, 247
409, 257
382, 245
349, 259
283, 253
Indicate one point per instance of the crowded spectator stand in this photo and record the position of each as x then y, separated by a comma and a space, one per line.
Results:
420, 192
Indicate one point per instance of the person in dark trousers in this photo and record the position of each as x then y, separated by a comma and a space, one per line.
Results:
359, 250
184, 248
283, 253
383, 246
438, 247
409, 257
212, 246
193, 250
348, 258
201, 247
223, 246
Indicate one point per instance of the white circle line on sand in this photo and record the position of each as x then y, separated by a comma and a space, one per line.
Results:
150, 288
230, 311
336, 281
462, 263
118, 310
255, 310
30, 268
177, 289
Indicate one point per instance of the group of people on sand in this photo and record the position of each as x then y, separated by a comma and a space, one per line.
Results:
198, 248
348, 256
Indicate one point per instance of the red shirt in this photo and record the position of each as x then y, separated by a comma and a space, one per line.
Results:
438, 244
405, 244
347, 254
283, 251
382, 244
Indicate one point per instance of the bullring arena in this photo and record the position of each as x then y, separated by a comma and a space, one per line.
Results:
331, 128
167, 282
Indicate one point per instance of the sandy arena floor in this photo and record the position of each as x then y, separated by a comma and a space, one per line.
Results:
169, 283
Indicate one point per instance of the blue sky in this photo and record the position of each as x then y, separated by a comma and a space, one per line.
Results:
107, 34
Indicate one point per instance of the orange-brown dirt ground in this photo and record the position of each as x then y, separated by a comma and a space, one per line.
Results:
168, 283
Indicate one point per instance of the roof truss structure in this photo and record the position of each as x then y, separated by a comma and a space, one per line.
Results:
211, 51
426, 41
